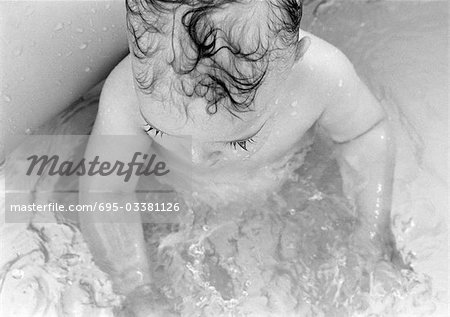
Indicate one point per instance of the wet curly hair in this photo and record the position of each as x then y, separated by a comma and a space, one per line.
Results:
224, 60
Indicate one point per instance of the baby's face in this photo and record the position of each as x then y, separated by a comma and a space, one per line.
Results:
215, 137
220, 136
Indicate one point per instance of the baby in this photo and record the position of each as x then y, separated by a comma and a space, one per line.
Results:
248, 86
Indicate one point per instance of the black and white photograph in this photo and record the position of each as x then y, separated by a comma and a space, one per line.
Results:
235, 158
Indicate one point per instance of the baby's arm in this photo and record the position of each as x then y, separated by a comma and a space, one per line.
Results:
118, 243
357, 124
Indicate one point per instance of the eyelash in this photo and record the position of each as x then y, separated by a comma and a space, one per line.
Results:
233, 144
149, 128
241, 144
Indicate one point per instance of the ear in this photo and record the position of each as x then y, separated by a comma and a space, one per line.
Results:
302, 47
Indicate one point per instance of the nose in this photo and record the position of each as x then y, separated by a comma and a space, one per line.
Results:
203, 156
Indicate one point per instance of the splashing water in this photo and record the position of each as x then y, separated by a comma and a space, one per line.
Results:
290, 255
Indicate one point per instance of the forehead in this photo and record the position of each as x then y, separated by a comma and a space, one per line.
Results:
194, 120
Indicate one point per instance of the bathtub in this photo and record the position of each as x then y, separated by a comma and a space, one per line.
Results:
288, 256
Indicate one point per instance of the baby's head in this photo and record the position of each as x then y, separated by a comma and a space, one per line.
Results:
222, 51
208, 69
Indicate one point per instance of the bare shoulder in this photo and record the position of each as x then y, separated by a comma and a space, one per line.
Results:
118, 86
320, 75
118, 108
325, 63
348, 106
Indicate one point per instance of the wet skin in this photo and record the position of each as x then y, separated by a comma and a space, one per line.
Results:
318, 86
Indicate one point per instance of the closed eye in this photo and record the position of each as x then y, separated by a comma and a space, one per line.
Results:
241, 144
149, 129
245, 141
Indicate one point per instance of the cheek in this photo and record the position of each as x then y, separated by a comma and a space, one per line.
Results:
180, 147
218, 156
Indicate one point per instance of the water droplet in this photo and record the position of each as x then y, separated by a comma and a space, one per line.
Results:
205, 227
59, 54
104, 29
68, 54
87, 69
292, 211
341, 83
83, 46
277, 101
294, 104
196, 250
18, 51
79, 30
317, 196
28, 131
113, 26
17, 274
59, 26
7, 98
